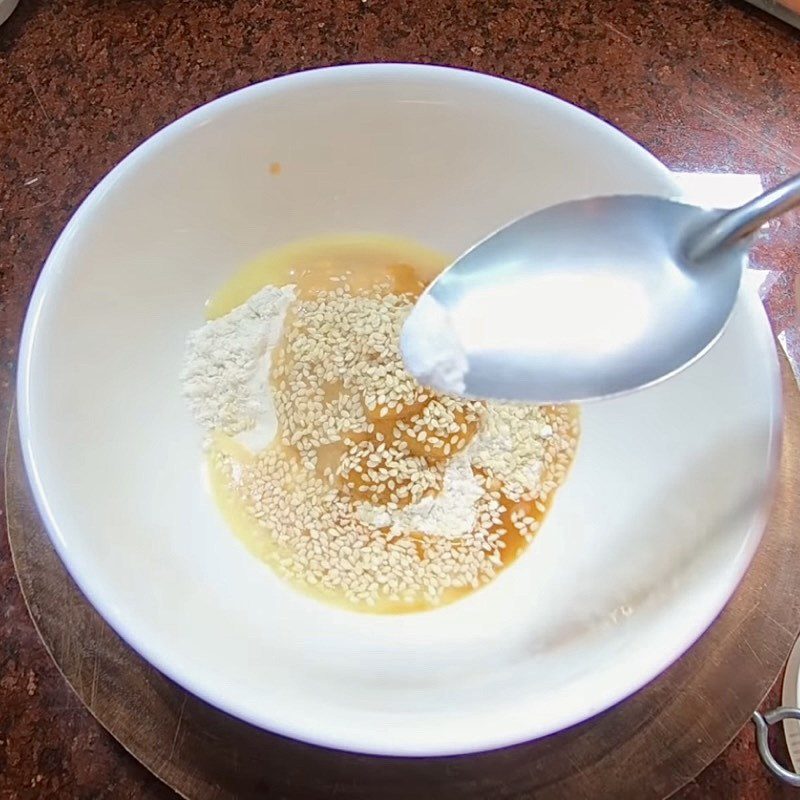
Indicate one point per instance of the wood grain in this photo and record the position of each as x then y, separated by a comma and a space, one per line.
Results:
647, 747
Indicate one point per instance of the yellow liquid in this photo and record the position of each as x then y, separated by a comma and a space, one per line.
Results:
313, 264
364, 261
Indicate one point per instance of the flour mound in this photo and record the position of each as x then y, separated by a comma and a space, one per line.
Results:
450, 514
225, 377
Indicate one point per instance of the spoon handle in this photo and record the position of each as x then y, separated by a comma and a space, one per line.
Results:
745, 220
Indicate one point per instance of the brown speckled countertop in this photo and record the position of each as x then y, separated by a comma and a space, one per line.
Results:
707, 85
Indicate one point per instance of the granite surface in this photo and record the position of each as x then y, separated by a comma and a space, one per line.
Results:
707, 85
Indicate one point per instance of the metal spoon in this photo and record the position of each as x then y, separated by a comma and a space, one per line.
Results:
586, 299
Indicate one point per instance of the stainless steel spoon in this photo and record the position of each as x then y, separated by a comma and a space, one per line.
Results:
586, 299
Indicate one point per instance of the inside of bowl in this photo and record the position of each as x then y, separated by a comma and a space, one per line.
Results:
645, 542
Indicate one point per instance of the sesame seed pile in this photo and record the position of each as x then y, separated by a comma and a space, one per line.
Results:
354, 428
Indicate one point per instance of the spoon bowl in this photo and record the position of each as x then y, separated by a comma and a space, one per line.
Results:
586, 299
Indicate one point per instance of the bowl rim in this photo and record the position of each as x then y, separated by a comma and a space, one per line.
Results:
470, 740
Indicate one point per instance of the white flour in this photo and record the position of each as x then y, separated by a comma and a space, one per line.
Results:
451, 513
511, 444
226, 370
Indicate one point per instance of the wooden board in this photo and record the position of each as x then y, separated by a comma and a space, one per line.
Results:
646, 747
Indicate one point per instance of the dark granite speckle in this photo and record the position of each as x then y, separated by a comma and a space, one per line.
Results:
705, 84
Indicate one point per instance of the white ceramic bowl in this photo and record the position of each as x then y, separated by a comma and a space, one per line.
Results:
7, 9
647, 540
